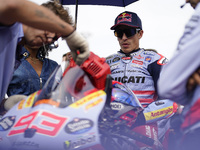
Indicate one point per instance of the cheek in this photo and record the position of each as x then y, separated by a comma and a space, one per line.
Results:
29, 39
119, 40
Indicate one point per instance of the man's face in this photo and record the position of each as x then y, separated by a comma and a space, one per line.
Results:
131, 43
36, 38
193, 3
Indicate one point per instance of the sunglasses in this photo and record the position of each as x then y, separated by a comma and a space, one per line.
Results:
128, 32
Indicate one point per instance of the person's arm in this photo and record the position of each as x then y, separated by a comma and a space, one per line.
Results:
33, 15
36, 16
174, 76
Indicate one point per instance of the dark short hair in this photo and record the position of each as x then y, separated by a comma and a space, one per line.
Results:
64, 55
59, 10
63, 13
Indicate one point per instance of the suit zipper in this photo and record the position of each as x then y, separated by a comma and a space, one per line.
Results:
40, 83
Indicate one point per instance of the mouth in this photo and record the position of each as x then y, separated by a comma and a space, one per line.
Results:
125, 45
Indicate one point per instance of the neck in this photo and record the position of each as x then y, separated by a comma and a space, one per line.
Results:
135, 50
33, 51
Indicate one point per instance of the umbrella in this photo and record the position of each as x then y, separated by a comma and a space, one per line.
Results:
120, 3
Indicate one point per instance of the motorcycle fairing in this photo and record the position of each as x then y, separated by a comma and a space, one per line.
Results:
160, 109
64, 127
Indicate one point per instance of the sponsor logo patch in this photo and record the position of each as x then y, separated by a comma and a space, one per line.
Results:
137, 62
116, 59
117, 106
6, 123
77, 144
139, 57
78, 126
148, 59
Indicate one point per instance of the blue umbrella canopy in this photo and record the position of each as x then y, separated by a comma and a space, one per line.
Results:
121, 3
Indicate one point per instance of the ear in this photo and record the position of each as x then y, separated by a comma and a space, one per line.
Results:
140, 34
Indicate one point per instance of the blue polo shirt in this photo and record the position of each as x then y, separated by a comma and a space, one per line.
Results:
9, 37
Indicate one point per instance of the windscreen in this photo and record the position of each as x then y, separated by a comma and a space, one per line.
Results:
73, 86
122, 94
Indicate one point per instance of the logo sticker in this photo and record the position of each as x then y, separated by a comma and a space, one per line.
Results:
137, 62
30, 100
115, 66
93, 104
6, 123
87, 99
148, 59
126, 58
78, 126
139, 57
116, 106
116, 59
30, 144
69, 145
124, 17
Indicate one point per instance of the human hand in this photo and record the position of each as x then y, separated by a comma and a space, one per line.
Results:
12, 100
193, 80
79, 47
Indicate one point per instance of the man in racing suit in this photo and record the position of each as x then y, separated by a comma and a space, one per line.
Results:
173, 82
136, 67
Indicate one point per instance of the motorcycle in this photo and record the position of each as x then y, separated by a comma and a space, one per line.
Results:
80, 107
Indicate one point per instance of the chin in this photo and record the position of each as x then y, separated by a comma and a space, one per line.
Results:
34, 47
126, 50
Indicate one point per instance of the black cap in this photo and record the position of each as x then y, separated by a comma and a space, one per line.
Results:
128, 19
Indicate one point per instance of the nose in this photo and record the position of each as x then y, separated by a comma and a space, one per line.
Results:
124, 37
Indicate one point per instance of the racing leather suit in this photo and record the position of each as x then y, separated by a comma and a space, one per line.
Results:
138, 70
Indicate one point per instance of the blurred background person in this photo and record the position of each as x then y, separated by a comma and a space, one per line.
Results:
67, 56
180, 81
35, 68
14, 13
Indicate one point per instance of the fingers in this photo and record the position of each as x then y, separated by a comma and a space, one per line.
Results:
194, 80
190, 84
49, 37
40, 37
82, 57
12, 100
76, 44
74, 55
